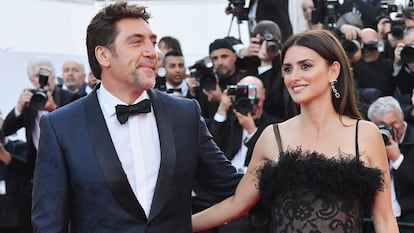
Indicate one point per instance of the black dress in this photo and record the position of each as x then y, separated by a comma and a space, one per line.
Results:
308, 192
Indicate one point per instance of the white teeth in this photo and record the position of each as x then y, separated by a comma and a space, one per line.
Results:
298, 88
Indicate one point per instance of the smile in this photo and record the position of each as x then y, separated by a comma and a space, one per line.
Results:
298, 88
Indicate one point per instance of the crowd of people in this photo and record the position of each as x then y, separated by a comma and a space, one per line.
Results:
291, 132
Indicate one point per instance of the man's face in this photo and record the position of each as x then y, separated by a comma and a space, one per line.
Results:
396, 121
131, 63
73, 75
224, 61
175, 70
408, 23
35, 77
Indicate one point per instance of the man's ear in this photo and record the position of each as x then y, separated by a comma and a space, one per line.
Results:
103, 55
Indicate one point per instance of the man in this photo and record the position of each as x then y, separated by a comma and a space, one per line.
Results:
73, 75
368, 11
223, 57
399, 135
44, 97
408, 15
175, 75
115, 168
372, 71
236, 132
276, 11
14, 214
404, 74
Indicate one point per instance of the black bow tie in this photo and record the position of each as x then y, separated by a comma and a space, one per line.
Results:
124, 111
172, 90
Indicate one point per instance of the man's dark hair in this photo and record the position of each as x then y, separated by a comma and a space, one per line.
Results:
102, 29
408, 13
172, 53
171, 42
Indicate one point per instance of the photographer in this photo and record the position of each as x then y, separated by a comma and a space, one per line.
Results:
404, 73
399, 139
14, 214
238, 123
371, 69
367, 10
42, 98
214, 74
258, 10
265, 46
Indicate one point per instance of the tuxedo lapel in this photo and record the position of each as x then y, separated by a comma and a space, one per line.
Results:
168, 153
108, 159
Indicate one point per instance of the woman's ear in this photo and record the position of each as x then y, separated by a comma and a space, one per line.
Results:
103, 56
335, 70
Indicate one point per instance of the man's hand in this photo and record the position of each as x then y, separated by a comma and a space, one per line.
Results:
252, 50
358, 54
50, 104
397, 53
351, 32
393, 151
225, 104
246, 121
24, 99
5, 156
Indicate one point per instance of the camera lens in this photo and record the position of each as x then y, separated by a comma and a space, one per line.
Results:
38, 99
243, 106
397, 30
350, 47
208, 81
407, 53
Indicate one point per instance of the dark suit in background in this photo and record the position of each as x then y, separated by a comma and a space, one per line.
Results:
404, 179
27, 119
277, 11
14, 215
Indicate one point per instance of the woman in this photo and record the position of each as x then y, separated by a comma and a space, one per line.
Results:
329, 166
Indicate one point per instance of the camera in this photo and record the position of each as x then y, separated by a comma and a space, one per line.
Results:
373, 45
245, 97
203, 71
387, 132
272, 46
326, 12
397, 27
238, 10
387, 9
350, 47
39, 97
407, 53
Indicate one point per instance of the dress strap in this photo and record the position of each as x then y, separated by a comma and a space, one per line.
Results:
278, 139
356, 141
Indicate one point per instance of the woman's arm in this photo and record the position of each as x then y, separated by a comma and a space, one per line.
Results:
247, 192
373, 146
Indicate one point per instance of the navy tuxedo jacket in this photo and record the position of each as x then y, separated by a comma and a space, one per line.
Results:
79, 180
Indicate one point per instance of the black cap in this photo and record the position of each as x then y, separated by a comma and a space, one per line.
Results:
221, 44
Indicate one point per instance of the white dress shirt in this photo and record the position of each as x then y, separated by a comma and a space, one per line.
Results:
137, 145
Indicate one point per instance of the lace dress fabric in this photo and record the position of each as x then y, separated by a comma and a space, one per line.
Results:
310, 193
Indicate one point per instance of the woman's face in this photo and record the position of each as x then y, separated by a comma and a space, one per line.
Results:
307, 74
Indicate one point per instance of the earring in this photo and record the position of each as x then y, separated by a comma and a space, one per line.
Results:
334, 90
